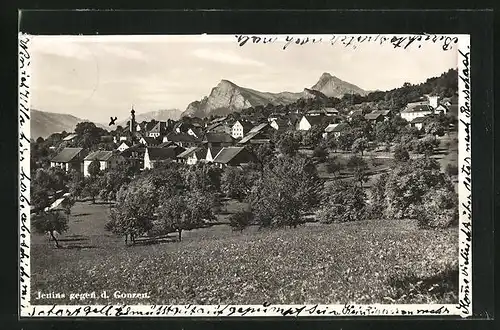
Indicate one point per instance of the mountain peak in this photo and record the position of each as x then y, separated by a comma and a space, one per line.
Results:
226, 83
326, 75
332, 86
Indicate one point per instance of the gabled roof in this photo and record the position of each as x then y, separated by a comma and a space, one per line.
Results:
227, 154
373, 115
165, 144
160, 127
214, 151
356, 113
188, 152
160, 153
100, 155
181, 137
66, 155
419, 120
127, 143
331, 110
382, 112
218, 138
217, 120
332, 128
280, 122
248, 137
150, 140
417, 107
259, 127
314, 120
246, 124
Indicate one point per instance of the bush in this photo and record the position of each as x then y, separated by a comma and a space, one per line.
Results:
320, 154
333, 166
452, 169
439, 209
401, 154
241, 220
343, 201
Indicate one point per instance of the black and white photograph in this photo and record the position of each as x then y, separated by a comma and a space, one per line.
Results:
215, 175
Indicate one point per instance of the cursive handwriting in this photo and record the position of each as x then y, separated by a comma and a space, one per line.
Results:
24, 179
353, 41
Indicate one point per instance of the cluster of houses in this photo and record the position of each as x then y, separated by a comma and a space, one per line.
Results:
223, 142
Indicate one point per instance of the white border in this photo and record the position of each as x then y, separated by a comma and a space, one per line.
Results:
462, 308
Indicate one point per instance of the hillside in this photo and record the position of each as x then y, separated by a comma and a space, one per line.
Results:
228, 97
159, 115
45, 123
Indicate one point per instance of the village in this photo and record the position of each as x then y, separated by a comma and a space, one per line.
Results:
245, 199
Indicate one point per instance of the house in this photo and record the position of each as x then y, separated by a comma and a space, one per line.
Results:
107, 160
323, 112
195, 131
307, 122
157, 156
441, 109
335, 129
182, 139
375, 116
233, 156
124, 146
135, 155
212, 153
262, 128
219, 127
331, 112
274, 116
415, 110
160, 129
280, 124
149, 141
69, 158
418, 122
218, 140
193, 155
240, 128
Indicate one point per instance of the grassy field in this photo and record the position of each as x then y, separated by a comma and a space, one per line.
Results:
363, 262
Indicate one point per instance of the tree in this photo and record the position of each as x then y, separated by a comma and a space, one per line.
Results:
333, 166
264, 153
52, 221
320, 153
359, 145
289, 142
342, 201
401, 154
435, 127
332, 142
403, 188
91, 187
425, 146
287, 188
313, 136
237, 183
94, 168
203, 177
185, 212
240, 220
439, 209
359, 167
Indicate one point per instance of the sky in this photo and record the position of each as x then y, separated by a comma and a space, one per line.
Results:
95, 77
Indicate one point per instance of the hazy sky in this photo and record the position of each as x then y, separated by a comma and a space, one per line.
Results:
94, 77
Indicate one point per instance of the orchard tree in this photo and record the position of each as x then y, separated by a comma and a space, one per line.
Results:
358, 166
359, 145
237, 183
288, 187
203, 177
313, 136
401, 154
439, 209
185, 212
425, 146
435, 127
333, 166
289, 142
50, 222
342, 201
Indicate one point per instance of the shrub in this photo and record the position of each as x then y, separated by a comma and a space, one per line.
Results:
439, 209
333, 166
320, 154
343, 201
401, 154
241, 220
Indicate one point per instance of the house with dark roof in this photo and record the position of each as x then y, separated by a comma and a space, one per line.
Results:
307, 122
335, 129
374, 117
160, 129
193, 155
124, 146
182, 139
70, 137
219, 127
68, 159
240, 128
149, 141
212, 153
234, 156
419, 122
323, 112
106, 159
157, 156
135, 155
280, 124
218, 140
415, 110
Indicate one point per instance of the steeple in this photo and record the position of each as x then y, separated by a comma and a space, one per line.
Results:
133, 124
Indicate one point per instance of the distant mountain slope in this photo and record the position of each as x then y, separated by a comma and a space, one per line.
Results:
159, 115
228, 97
332, 86
45, 123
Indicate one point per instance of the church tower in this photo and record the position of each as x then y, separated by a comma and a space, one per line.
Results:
132, 121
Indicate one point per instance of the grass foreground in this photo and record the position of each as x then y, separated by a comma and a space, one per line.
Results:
360, 262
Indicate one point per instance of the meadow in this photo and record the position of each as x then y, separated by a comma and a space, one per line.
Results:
363, 262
